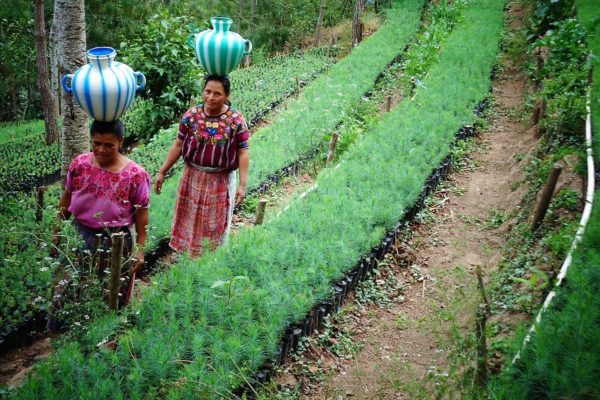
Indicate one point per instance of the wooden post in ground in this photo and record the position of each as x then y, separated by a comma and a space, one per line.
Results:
319, 24
544, 202
483, 313
39, 211
260, 212
388, 103
539, 111
332, 145
115, 270
297, 84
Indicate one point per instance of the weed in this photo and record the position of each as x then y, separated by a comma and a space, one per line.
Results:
496, 218
383, 289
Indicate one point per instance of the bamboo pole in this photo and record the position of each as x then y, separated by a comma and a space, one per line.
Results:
260, 212
544, 202
332, 145
115, 270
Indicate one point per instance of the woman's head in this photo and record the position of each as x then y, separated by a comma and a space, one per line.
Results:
216, 92
113, 127
107, 138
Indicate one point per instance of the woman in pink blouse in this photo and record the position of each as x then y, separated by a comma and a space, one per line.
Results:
213, 140
107, 193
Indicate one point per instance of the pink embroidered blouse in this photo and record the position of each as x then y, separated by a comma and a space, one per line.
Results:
102, 198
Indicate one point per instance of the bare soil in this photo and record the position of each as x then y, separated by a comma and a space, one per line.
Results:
15, 365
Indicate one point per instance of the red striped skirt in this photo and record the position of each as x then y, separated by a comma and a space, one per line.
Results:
200, 212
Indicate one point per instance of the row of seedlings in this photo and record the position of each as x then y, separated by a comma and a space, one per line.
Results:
297, 133
403, 73
30, 163
26, 271
314, 320
205, 326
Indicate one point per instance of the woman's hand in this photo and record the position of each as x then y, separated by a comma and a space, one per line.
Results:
172, 157
240, 194
158, 181
138, 262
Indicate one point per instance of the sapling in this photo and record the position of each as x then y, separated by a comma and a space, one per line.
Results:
229, 284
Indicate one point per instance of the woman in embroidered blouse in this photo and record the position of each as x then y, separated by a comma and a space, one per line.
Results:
106, 193
213, 139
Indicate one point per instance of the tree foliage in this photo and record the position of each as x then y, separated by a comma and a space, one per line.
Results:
159, 49
134, 25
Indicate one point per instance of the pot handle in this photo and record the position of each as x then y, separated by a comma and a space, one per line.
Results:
247, 47
66, 88
190, 40
142, 84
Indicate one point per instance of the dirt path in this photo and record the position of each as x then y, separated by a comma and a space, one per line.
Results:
464, 229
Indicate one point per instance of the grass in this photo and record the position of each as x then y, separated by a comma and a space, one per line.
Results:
16, 132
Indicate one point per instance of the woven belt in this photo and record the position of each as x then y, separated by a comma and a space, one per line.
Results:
210, 170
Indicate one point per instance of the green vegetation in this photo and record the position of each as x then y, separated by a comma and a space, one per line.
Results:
325, 103
148, 30
30, 163
25, 261
558, 361
17, 132
25, 268
168, 349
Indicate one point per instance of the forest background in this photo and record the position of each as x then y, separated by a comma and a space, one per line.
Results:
150, 35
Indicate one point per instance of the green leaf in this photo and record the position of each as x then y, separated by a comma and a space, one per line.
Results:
219, 284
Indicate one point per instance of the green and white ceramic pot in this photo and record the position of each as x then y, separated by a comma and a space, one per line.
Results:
219, 50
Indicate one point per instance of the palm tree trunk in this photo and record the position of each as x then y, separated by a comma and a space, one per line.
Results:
70, 18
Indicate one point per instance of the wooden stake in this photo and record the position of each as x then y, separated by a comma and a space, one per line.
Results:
332, 145
298, 84
39, 212
544, 202
319, 23
388, 103
115, 270
483, 313
260, 212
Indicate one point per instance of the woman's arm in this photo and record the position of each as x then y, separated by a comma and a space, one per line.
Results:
244, 163
172, 157
141, 229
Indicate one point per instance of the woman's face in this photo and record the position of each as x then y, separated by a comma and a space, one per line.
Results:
105, 147
214, 96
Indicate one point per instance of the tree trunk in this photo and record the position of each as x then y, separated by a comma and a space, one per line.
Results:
240, 16
14, 97
42, 75
356, 33
53, 46
249, 30
70, 18
251, 23
319, 23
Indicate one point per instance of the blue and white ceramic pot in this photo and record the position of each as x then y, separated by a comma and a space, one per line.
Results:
104, 88
219, 50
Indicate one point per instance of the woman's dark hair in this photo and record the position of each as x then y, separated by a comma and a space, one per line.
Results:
114, 127
224, 80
